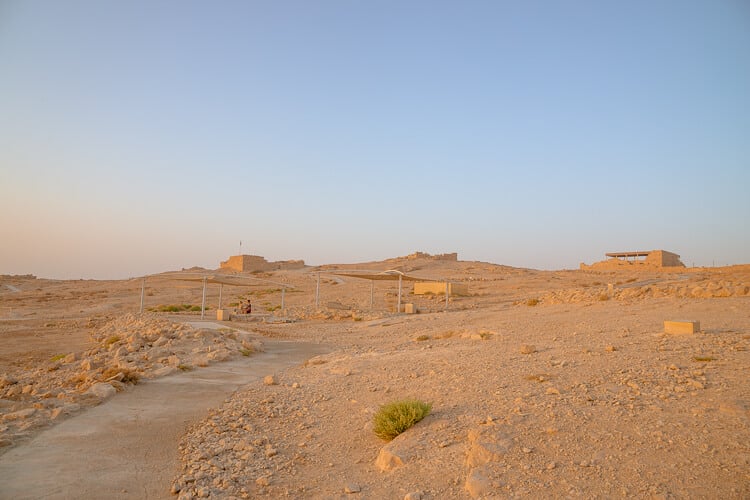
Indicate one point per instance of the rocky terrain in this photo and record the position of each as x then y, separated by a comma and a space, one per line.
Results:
542, 383
124, 351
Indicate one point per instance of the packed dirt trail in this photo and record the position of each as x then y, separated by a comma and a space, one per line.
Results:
127, 447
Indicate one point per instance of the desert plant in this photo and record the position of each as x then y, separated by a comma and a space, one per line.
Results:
703, 359
184, 368
57, 357
422, 337
394, 418
246, 352
532, 302
603, 297
128, 376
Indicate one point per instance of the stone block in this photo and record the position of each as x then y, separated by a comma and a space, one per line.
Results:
223, 315
680, 327
410, 309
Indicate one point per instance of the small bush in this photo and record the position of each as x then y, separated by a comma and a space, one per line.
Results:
603, 297
394, 418
57, 357
184, 368
129, 376
246, 352
532, 302
422, 337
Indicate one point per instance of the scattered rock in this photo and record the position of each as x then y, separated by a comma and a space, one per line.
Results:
270, 380
352, 488
102, 390
528, 349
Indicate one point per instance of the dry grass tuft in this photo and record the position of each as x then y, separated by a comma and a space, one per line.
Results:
394, 418
704, 359
422, 338
128, 376
532, 302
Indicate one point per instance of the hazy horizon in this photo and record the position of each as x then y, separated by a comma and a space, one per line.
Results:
142, 137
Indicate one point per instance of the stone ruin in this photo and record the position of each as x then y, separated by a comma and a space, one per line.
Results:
256, 264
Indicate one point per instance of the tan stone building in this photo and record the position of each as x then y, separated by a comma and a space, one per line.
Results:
256, 263
632, 260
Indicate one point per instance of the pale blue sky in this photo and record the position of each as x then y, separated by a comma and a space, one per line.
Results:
144, 136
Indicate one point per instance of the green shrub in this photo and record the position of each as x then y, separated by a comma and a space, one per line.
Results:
57, 357
394, 418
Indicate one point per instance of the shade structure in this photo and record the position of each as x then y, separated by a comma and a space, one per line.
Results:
390, 275
215, 278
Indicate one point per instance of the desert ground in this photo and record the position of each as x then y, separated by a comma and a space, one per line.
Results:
542, 384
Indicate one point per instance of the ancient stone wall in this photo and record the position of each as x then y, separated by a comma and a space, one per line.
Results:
443, 256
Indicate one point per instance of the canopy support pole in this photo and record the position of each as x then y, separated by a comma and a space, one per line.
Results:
317, 293
399, 294
447, 294
203, 302
143, 293
221, 288
283, 290
372, 293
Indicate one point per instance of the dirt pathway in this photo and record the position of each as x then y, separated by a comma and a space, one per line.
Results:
127, 447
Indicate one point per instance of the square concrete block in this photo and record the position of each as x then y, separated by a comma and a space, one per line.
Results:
679, 327
410, 309
222, 315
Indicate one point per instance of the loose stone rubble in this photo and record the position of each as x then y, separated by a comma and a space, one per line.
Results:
124, 351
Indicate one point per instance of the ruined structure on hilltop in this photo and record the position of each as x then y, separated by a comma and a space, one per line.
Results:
424, 255
256, 263
653, 259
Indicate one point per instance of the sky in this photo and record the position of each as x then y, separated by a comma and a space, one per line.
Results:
144, 136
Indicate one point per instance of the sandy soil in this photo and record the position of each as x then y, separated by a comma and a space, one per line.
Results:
542, 383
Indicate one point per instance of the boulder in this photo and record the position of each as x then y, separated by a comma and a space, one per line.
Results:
102, 390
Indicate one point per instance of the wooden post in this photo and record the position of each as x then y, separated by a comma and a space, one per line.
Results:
372, 293
283, 289
221, 287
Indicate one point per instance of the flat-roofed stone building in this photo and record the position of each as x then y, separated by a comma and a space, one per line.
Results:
632, 260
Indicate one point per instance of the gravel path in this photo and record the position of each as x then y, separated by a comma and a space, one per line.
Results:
127, 447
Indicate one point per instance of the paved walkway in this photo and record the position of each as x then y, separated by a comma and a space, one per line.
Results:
127, 447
